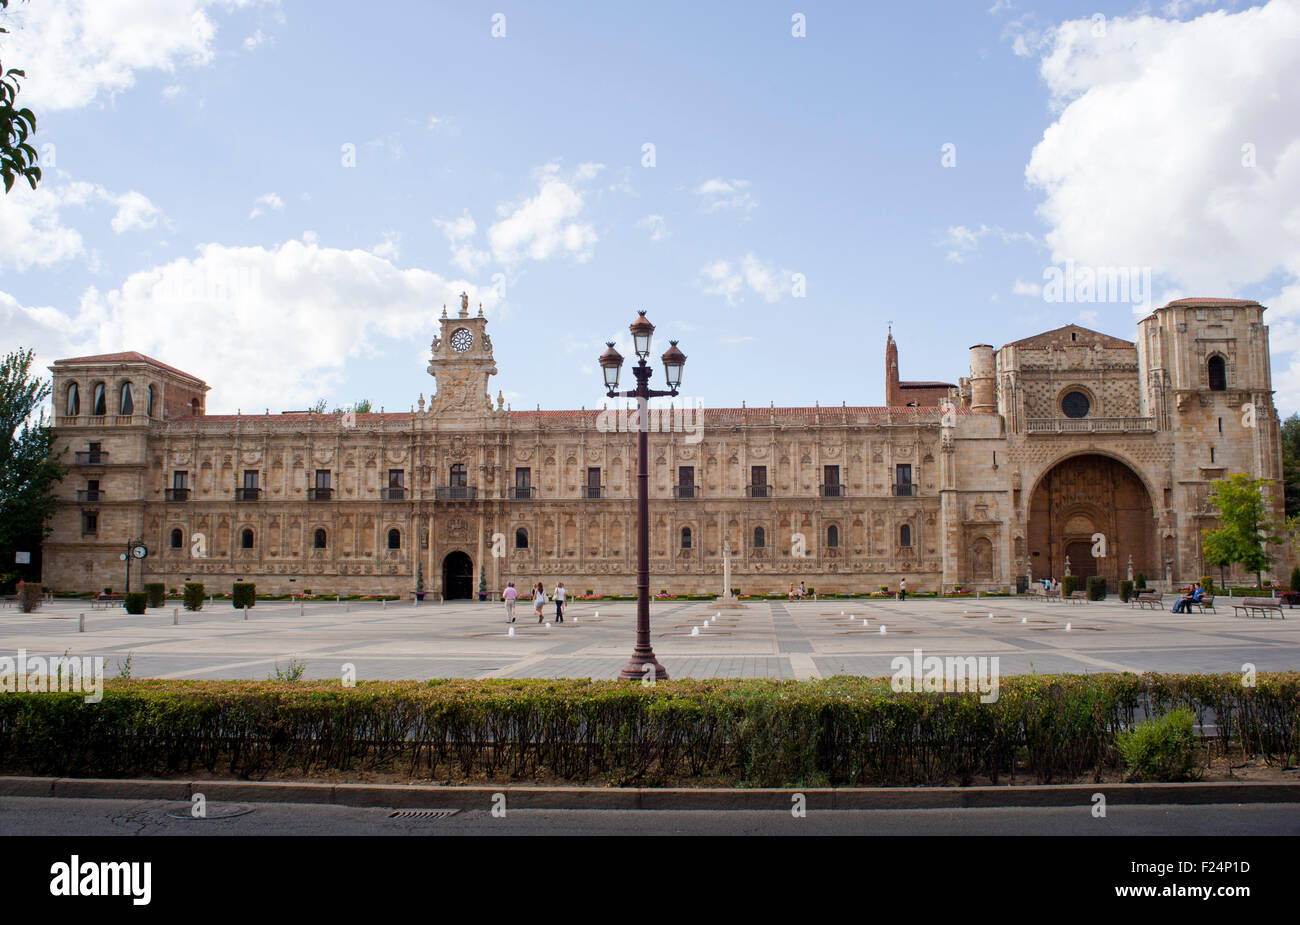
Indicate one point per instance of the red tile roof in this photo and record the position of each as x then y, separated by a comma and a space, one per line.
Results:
1196, 301
129, 356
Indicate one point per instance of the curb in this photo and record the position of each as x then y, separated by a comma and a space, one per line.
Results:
411, 796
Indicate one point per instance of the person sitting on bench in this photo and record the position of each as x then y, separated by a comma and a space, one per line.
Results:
1184, 604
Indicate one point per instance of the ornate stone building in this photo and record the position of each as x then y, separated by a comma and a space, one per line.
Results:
1069, 444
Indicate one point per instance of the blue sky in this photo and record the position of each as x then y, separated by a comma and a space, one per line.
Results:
197, 205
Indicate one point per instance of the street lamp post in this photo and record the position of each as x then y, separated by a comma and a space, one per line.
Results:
643, 659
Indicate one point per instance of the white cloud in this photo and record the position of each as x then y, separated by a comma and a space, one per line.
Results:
962, 242
1020, 287
718, 195
75, 50
266, 201
546, 225
731, 280
1145, 164
460, 234
32, 228
390, 248
297, 302
655, 224
172, 91
256, 40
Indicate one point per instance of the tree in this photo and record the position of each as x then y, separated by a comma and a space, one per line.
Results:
28, 472
17, 157
1246, 524
1291, 464
318, 407
361, 407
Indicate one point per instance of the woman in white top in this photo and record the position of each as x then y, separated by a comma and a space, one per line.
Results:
558, 597
539, 601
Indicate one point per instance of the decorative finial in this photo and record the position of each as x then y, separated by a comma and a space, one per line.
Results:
444, 309
480, 309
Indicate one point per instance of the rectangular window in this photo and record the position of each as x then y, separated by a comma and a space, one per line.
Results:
832, 474
758, 481
524, 478
250, 479
90, 521
95, 450
903, 474
395, 477
593, 476
322, 478
180, 479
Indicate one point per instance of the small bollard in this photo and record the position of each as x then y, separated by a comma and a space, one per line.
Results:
176, 616
81, 623
245, 611
301, 605
347, 608
383, 604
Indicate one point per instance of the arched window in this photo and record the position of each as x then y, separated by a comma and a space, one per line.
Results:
905, 535
128, 402
457, 476
318, 539
394, 539
1218, 371
521, 538
149, 409
99, 405
74, 401
760, 537
686, 537
246, 539
178, 538
194, 407
832, 536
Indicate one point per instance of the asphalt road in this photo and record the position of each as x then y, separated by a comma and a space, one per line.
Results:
74, 817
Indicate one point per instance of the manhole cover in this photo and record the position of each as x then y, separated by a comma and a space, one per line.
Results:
212, 811
422, 813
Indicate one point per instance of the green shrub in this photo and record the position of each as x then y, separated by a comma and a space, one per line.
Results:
135, 601
29, 596
1125, 590
1096, 588
1141, 582
156, 591
1069, 584
1163, 748
193, 595
243, 594
1295, 578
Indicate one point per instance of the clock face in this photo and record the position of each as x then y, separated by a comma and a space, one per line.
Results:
461, 340
139, 552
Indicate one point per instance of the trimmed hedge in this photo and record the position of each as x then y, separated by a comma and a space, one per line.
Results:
134, 601
29, 596
157, 592
193, 595
1096, 585
839, 731
243, 594
1125, 590
1069, 584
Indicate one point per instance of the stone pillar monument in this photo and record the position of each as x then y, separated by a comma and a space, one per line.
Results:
727, 600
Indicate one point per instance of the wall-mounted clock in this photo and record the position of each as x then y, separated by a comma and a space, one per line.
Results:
461, 340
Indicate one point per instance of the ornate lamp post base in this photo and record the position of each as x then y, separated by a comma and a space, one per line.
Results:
643, 666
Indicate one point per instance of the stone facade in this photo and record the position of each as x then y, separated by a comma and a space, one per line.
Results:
1047, 443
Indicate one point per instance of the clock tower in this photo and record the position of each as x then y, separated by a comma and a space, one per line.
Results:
461, 362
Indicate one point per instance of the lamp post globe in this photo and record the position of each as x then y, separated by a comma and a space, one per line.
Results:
642, 330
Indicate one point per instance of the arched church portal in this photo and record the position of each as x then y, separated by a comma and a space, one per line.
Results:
1084, 496
457, 577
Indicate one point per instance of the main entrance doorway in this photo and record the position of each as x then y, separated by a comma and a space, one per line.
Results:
1076, 500
457, 577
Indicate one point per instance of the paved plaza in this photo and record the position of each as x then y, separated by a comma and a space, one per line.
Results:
807, 639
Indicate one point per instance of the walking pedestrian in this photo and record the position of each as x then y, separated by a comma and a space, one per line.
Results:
539, 601
902, 589
559, 598
510, 595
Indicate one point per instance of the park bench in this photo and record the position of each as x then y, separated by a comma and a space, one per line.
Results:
7, 599
1078, 597
1050, 595
1264, 606
1151, 599
104, 601
1203, 603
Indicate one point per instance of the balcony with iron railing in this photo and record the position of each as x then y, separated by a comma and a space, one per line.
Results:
393, 493
759, 491
320, 494
834, 491
1064, 425
592, 491
686, 491
522, 492
90, 494
176, 494
456, 492
903, 490
91, 458
248, 494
